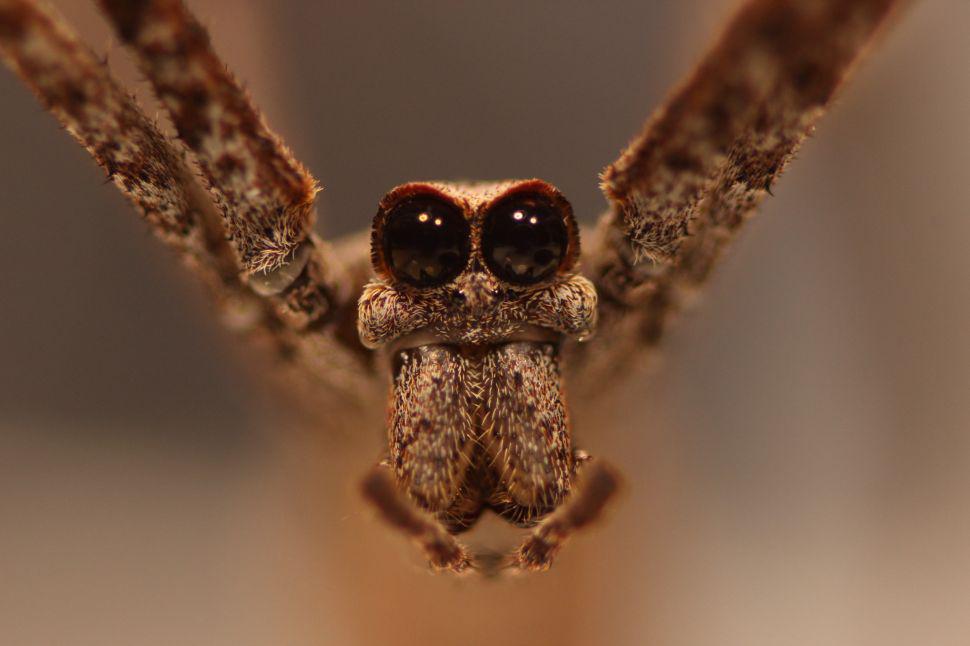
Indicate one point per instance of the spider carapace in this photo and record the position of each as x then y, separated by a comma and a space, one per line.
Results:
475, 298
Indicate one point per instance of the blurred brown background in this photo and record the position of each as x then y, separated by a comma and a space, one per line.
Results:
798, 460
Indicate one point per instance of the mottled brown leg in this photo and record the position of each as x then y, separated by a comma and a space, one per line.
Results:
265, 194
441, 548
76, 87
595, 487
705, 160
150, 170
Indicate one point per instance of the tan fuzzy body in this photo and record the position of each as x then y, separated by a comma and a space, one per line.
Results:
474, 337
477, 416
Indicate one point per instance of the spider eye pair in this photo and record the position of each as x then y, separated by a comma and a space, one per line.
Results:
426, 241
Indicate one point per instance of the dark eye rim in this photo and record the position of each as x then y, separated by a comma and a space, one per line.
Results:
392, 202
542, 192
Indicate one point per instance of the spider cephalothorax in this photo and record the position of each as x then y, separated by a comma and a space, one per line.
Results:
475, 264
477, 286
475, 295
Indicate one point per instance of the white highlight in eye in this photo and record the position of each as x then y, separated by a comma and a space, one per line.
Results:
518, 215
533, 220
437, 222
424, 217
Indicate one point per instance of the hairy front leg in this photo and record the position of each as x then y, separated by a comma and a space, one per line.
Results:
79, 91
266, 196
705, 160
283, 310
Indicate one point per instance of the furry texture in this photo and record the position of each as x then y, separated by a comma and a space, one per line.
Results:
432, 427
475, 308
78, 90
148, 168
386, 313
757, 93
298, 327
525, 430
266, 195
478, 416
481, 427
708, 157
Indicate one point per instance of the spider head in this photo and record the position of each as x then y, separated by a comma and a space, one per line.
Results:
471, 263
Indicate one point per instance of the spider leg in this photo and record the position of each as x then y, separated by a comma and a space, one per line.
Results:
150, 170
266, 196
442, 549
705, 160
92, 106
597, 484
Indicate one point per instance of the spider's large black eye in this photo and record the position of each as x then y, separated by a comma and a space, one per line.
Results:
426, 242
524, 240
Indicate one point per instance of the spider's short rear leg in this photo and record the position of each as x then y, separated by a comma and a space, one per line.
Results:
595, 487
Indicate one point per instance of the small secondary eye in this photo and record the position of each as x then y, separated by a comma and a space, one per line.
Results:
524, 240
426, 242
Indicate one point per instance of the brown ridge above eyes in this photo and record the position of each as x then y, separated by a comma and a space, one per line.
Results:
425, 242
524, 240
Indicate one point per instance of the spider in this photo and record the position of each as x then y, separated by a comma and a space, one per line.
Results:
476, 303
